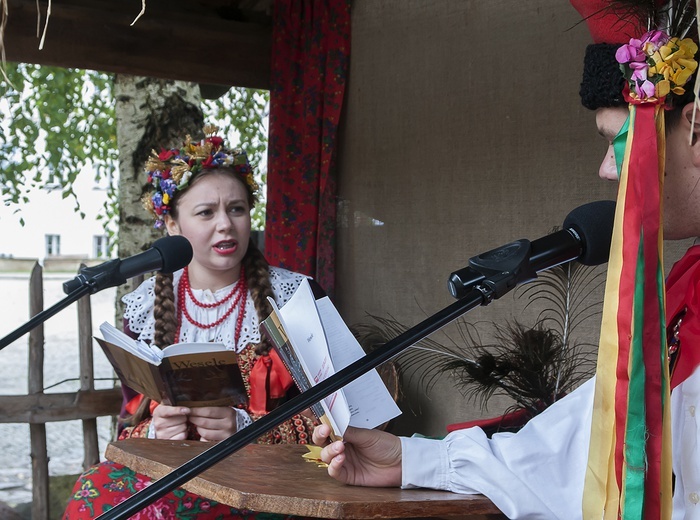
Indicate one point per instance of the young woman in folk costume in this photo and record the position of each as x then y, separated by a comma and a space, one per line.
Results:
205, 193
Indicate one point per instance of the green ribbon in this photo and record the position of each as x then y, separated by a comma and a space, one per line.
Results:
619, 145
636, 430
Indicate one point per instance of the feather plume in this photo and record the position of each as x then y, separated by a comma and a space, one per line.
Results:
534, 366
675, 18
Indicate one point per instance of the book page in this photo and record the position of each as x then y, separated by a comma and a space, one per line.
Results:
370, 402
138, 348
177, 349
300, 320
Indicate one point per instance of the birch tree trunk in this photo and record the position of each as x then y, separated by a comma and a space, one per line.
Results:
151, 113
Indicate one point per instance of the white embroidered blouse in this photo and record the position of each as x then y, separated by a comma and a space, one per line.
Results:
140, 302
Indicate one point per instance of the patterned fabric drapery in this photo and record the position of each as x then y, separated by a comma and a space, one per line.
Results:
310, 54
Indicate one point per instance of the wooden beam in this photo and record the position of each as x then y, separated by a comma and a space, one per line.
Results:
42, 408
175, 40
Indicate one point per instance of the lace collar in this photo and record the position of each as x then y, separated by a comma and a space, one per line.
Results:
139, 311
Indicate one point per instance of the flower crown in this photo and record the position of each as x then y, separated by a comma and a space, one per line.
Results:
656, 65
172, 170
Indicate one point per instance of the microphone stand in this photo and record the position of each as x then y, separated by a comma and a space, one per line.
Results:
44, 315
481, 294
89, 281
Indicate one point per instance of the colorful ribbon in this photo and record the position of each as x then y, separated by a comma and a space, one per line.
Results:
629, 466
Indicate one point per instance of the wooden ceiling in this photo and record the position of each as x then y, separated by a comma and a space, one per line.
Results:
216, 42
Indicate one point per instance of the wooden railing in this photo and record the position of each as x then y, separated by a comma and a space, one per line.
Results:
37, 408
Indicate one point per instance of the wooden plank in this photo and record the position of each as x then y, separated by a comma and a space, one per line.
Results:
36, 335
173, 40
40, 471
43, 408
276, 479
85, 343
91, 447
37, 432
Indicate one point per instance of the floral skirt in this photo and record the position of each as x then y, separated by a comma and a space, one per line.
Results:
107, 484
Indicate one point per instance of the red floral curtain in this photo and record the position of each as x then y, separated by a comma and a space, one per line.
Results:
310, 53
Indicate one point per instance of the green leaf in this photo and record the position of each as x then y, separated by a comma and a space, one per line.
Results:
61, 122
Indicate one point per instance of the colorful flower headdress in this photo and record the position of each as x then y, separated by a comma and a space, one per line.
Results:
172, 170
643, 51
656, 65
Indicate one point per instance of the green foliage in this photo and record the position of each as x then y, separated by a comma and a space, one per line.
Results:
242, 113
58, 122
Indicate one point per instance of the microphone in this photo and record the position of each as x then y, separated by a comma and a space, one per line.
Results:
167, 255
586, 237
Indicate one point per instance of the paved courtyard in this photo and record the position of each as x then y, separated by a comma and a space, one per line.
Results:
60, 366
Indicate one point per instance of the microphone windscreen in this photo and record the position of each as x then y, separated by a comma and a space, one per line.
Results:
176, 252
593, 222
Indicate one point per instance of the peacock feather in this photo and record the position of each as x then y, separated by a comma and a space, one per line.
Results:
533, 365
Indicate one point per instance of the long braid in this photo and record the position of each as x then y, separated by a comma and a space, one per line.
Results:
164, 311
164, 334
257, 272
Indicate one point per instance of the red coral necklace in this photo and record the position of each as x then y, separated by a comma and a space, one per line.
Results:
239, 294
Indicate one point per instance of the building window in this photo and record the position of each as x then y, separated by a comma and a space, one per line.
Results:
100, 246
53, 245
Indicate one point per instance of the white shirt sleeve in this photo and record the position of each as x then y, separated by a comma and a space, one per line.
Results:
535, 473
685, 412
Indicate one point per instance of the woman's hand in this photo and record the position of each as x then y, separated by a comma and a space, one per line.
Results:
363, 457
214, 423
170, 422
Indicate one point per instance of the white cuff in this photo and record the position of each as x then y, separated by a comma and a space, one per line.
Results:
242, 418
424, 463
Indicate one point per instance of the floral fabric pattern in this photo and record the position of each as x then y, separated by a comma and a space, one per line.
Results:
310, 56
103, 487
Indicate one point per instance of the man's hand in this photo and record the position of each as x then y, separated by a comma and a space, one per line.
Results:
170, 422
214, 423
363, 457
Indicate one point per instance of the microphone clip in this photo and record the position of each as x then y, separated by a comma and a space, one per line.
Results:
495, 272
97, 278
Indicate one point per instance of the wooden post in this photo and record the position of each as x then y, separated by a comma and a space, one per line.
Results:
87, 379
37, 431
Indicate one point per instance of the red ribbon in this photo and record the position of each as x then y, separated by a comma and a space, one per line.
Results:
135, 402
683, 293
269, 379
517, 418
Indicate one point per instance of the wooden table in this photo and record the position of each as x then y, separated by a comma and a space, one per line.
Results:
277, 479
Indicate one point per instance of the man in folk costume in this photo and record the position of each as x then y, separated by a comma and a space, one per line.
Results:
653, 46
605, 450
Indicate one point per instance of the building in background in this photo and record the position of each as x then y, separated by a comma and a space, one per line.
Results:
54, 233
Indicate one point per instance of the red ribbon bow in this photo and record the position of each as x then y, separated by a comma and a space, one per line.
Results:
269, 379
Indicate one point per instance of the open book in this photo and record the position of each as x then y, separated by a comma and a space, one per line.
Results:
314, 342
183, 374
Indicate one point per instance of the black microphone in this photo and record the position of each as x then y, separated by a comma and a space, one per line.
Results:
586, 237
167, 255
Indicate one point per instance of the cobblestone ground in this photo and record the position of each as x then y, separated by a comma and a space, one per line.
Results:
61, 364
